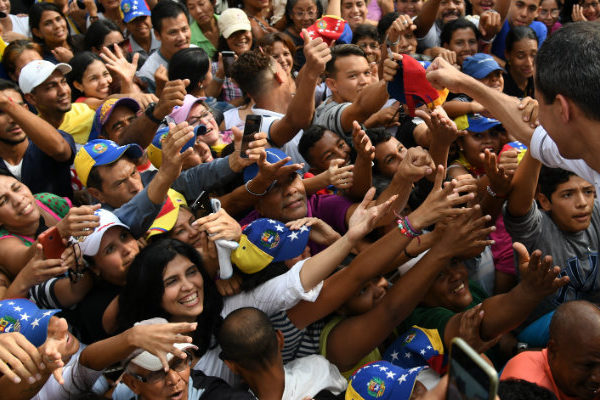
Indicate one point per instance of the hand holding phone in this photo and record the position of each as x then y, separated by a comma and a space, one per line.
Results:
470, 376
202, 205
252, 126
52, 243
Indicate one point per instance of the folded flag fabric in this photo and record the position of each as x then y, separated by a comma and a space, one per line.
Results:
330, 28
418, 347
411, 87
518, 146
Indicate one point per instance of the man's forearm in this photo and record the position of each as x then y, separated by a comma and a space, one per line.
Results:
369, 101
140, 131
426, 17
503, 107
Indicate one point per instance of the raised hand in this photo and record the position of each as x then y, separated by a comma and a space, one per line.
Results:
340, 175
79, 222
415, 165
538, 277
19, 359
172, 144
171, 95
361, 142
219, 225
465, 235
55, 350
365, 218
441, 74
118, 64
256, 148
469, 330
530, 109
443, 129
490, 24
317, 54
159, 339
39, 270
320, 233
500, 175
441, 202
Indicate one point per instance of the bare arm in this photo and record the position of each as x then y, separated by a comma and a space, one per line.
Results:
300, 111
505, 312
426, 17
40, 132
523, 186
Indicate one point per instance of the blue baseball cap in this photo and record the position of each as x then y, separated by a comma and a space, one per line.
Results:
23, 316
133, 9
475, 123
101, 152
105, 110
273, 155
480, 65
382, 380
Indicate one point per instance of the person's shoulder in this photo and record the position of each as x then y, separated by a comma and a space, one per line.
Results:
212, 387
528, 365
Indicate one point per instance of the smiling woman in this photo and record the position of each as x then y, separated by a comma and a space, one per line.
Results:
49, 28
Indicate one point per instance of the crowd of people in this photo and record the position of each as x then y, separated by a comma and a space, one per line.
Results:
303, 199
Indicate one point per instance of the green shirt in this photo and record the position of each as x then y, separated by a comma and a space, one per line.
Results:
200, 40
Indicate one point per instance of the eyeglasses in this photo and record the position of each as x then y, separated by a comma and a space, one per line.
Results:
124, 44
590, 5
309, 13
372, 45
177, 364
194, 120
553, 13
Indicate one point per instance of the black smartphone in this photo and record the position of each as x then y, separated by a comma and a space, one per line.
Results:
252, 126
202, 205
470, 377
228, 58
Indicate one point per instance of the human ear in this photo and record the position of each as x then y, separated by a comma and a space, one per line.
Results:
545, 202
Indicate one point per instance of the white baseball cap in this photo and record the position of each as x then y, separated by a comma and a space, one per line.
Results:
148, 360
37, 71
233, 20
90, 245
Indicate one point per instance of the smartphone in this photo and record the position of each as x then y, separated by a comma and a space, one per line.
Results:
228, 58
252, 126
470, 377
202, 205
52, 242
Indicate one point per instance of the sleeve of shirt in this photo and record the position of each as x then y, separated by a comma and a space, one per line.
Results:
429, 318
543, 148
71, 143
524, 229
331, 116
78, 380
138, 213
44, 296
278, 294
203, 177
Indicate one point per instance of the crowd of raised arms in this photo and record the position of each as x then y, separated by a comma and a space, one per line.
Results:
301, 199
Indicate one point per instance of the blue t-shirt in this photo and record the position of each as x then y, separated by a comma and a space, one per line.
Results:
499, 44
42, 173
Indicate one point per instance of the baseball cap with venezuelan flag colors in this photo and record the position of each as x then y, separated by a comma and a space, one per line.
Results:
101, 152
330, 28
105, 110
264, 241
475, 123
166, 218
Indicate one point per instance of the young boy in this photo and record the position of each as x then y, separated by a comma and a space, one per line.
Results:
567, 227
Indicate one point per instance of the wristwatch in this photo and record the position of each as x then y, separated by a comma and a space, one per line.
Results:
149, 111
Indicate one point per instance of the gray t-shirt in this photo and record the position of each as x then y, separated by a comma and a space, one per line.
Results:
329, 115
575, 253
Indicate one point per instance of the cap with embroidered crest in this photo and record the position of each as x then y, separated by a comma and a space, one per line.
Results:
134, 8
23, 316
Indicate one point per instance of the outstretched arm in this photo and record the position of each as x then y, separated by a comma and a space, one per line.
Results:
523, 186
503, 107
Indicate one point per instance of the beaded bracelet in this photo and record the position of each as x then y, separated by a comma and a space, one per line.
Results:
407, 230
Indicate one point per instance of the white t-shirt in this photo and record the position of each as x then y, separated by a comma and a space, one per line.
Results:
20, 25
543, 148
15, 169
307, 376
291, 147
232, 118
